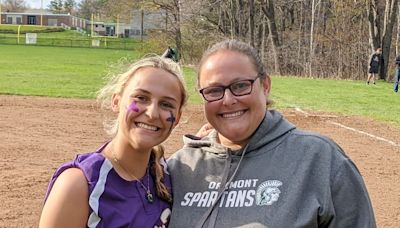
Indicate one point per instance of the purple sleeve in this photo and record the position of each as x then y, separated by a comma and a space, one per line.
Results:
58, 172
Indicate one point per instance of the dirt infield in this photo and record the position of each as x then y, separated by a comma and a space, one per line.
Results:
38, 134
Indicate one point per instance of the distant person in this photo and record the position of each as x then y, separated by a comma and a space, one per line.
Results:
170, 53
256, 169
125, 182
375, 63
397, 75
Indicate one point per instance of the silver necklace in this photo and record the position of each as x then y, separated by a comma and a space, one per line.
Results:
149, 196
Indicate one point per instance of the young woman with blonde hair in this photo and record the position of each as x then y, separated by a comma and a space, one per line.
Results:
125, 182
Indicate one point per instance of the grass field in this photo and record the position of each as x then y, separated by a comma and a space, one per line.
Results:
50, 36
56, 72
342, 96
79, 72
25, 28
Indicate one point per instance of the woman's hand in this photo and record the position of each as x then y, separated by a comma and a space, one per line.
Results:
204, 130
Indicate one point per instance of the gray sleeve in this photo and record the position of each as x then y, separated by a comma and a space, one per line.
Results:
350, 200
171, 162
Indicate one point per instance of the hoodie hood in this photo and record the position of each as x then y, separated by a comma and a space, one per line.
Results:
269, 132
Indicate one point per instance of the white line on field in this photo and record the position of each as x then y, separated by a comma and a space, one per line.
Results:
355, 130
302, 111
364, 133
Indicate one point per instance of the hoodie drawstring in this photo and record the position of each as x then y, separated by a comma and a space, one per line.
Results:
224, 183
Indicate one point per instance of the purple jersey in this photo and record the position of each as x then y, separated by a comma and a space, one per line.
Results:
115, 202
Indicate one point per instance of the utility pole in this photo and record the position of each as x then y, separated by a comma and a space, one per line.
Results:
41, 13
91, 25
0, 13
117, 29
141, 24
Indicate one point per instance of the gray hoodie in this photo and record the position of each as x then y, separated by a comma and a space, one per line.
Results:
286, 178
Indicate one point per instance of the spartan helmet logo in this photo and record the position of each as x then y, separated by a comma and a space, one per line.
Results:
164, 218
268, 192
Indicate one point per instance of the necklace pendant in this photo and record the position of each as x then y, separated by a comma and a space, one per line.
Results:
149, 197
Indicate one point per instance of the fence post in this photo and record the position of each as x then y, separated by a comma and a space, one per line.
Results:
19, 29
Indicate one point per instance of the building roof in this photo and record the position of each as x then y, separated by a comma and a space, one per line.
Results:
45, 13
37, 11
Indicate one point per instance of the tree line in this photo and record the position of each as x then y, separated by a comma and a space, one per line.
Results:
312, 38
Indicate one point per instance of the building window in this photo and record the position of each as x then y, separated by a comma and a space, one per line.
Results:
31, 20
9, 20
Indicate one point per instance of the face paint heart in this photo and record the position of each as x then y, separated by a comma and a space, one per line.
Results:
131, 108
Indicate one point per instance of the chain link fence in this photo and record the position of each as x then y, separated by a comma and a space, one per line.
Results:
94, 42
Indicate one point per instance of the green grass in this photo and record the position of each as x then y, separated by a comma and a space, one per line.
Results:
64, 72
25, 28
55, 71
79, 72
66, 38
340, 96
191, 80
67, 34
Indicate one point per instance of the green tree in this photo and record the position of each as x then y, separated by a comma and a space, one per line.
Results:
56, 6
62, 6
69, 6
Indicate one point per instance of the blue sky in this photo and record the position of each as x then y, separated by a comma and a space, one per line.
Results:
37, 3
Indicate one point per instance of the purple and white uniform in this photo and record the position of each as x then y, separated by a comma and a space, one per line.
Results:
113, 201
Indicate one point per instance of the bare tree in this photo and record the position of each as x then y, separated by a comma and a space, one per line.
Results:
122, 9
269, 11
390, 19
318, 38
233, 20
311, 55
173, 9
398, 31
88, 7
379, 38
251, 21
14, 5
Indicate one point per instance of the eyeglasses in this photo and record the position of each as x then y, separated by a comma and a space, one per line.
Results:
238, 88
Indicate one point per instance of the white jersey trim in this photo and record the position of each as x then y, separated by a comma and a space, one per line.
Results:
98, 190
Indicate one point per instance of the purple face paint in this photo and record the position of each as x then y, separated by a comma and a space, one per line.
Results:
131, 108
171, 119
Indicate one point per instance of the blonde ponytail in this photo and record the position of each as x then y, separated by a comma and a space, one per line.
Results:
157, 171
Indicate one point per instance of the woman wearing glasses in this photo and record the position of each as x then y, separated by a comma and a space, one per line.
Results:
255, 169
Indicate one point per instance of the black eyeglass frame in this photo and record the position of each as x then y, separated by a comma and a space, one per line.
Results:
229, 87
